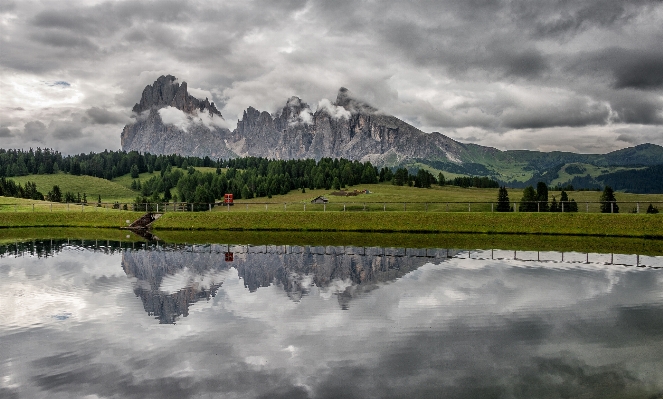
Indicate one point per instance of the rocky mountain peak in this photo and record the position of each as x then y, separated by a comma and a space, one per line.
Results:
166, 91
293, 109
346, 99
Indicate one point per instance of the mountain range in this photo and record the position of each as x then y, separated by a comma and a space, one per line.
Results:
168, 120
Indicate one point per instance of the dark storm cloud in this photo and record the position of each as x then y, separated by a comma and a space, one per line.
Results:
5, 132
66, 130
35, 131
7, 6
64, 39
573, 113
105, 117
637, 69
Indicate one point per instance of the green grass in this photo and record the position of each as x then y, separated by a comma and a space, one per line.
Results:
93, 186
620, 225
585, 244
94, 217
12, 235
397, 240
434, 199
592, 170
580, 224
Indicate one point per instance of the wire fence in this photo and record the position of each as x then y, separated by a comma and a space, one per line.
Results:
249, 206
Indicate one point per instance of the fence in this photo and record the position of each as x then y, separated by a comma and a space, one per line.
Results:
249, 206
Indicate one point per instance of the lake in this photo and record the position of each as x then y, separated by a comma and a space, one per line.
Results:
106, 319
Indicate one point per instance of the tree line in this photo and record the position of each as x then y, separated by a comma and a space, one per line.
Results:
245, 177
536, 200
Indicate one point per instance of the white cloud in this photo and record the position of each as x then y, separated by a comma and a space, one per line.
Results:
333, 110
306, 116
173, 116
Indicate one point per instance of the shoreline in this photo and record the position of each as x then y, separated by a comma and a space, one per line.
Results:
413, 222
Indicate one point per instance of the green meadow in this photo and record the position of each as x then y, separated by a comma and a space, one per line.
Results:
445, 209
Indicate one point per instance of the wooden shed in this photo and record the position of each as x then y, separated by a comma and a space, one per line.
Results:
320, 200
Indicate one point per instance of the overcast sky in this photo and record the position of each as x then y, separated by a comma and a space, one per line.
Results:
576, 75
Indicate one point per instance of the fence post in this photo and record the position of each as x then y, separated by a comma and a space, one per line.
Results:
562, 207
344, 207
210, 207
364, 206
637, 207
469, 207
447, 207
491, 207
384, 207
538, 206
612, 208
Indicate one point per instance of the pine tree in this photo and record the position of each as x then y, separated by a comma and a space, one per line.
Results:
608, 201
503, 204
55, 195
440, 179
553, 205
528, 201
542, 196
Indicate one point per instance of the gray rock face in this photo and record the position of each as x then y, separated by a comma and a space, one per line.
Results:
150, 134
347, 128
166, 91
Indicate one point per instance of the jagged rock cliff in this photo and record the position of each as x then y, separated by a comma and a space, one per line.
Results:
346, 128
170, 121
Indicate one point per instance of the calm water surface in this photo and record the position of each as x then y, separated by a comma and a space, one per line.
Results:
300, 322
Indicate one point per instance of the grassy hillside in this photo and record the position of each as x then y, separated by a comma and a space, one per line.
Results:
386, 192
523, 167
92, 186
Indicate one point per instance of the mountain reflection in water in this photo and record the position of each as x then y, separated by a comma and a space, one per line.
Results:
320, 322
348, 271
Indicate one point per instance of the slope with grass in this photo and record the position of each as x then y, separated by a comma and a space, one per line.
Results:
93, 187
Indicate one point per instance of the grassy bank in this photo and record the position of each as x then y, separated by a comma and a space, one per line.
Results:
620, 225
578, 224
585, 244
27, 234
67, 219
